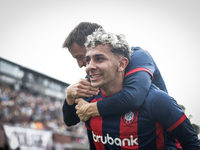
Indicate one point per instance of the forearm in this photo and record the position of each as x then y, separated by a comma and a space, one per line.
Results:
92, 110
119, 106
69, 114
130, 98
165, 110
186, 135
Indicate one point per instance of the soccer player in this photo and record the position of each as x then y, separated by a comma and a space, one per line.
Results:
142, 69
142, 66
145, 128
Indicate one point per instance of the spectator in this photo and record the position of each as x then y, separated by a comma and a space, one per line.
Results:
23, 109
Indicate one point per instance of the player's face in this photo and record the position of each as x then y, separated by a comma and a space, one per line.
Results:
79, 54
101, 66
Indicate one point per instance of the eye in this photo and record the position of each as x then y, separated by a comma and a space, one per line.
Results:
99, 58
87, 60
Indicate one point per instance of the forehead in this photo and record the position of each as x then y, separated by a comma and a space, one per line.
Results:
77, 50
100, 49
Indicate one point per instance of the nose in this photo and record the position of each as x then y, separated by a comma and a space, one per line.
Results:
81, 63
90, 66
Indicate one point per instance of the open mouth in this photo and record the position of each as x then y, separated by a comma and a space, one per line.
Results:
95, 76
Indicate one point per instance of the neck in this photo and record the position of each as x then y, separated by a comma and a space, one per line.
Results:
113, 87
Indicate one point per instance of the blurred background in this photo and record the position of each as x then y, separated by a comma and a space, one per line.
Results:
35, 71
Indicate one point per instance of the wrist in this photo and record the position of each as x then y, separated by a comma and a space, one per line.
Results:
93, 110
70, 100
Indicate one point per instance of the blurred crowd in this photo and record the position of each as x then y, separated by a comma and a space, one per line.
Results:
25, 109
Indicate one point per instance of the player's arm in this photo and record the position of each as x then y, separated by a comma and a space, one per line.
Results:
131, 97
69, 114
186, 135
81, 88
166, 110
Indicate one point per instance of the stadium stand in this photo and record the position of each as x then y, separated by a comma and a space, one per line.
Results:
33, 100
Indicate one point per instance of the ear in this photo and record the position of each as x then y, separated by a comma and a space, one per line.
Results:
123, 62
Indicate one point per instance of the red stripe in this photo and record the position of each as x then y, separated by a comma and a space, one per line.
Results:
87, 127
96, 100
139, 69
104, 95
130, 132
178, 145
160, 136
96, 127
177, 123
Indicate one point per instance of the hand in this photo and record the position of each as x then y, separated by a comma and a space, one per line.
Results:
82, 107
82, 88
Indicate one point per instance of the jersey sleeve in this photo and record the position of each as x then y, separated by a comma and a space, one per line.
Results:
138, 77
141, 59
69, 114
166, 111
186, 135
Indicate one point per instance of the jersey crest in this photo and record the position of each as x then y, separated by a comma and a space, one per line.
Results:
129, 118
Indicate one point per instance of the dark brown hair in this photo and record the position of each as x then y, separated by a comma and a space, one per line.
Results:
79, 33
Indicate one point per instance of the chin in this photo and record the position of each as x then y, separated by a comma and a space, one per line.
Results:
94, 85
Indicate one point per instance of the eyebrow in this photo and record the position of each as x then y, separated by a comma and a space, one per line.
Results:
96, 55
78, 56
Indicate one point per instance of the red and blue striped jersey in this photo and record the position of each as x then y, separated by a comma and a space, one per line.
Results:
144, 128
135, 76
141, 62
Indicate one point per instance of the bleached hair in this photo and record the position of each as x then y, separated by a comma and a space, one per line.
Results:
117, 42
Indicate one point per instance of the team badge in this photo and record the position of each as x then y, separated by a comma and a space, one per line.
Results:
129, 117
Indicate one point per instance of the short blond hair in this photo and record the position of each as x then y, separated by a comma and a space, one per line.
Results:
117, 42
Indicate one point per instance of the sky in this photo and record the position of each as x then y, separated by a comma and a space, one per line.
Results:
32, 33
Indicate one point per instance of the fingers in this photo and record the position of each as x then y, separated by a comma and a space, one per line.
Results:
80, 113
80, 100
83, 118
85, 84
82, 88
85, 92
81, 109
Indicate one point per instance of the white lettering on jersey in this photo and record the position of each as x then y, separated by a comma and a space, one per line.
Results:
117, 141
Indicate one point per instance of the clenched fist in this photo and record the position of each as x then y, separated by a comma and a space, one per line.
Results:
82, 88
85, 110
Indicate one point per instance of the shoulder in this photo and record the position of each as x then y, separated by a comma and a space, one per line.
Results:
158, 101
161, 106
140, 59
157, 96
139, 52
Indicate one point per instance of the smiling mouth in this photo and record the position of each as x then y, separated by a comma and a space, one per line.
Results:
95, 76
